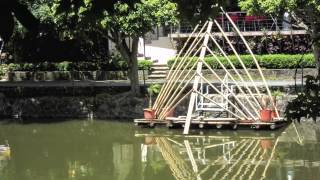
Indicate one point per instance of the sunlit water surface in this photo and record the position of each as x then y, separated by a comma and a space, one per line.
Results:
101, 150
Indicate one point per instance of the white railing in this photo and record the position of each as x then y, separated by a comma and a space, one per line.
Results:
245, 23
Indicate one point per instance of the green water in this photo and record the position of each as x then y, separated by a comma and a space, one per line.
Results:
100, 150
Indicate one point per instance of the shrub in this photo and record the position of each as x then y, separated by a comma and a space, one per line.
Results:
13, 67
64, 66
272, 61
144, 64
3, 70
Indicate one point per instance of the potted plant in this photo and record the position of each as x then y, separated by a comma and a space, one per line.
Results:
275, 95
152, 90
265, 113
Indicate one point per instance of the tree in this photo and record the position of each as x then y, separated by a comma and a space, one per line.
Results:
195, 11
13, 8
304, 13
122, 22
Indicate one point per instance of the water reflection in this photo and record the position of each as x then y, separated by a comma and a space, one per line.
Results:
240, 155
97, 150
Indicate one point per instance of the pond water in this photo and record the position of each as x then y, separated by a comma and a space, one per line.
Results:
101, 150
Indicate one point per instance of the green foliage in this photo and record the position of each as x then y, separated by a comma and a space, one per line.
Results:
13, 67
277, 93
145, 64
154, 89
272, 61
3, 70
64, 66
307, 104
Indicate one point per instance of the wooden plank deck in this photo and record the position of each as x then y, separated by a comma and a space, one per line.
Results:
218, 123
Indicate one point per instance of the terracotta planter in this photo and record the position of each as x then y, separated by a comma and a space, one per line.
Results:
150, 141
169, 113
149, 114
266, 144
266, 115
274, 114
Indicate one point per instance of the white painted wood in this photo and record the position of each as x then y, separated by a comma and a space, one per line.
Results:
197, 79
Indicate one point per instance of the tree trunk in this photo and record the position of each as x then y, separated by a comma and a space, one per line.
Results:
130, 54
133, 69
316, 46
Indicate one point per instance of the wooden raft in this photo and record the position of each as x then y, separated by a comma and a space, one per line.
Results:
217, 123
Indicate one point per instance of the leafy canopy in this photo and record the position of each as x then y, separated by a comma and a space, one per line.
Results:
305, 10
129, 18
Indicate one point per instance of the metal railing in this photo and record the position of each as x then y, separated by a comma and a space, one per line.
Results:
246, 23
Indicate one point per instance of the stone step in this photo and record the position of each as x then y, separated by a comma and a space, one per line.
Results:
157, 76
159, 68
159, 65
159, 72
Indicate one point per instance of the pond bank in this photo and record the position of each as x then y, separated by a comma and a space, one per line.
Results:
77, 102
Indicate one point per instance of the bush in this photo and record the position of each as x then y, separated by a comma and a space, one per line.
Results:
3, 70
272, 61
144, 64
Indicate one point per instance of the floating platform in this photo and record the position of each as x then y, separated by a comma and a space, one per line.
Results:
218, 123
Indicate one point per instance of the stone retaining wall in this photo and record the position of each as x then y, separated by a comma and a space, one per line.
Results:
102, 106
68, 75
270, 74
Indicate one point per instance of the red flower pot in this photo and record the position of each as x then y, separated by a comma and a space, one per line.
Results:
149, 114
169, 113
274, 114
266, 144
149, 141
266, 115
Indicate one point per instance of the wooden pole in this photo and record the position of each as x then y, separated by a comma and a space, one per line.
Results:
220, 105
191, 157
238, 100
196, 81
269, 160
176, 78
238, 57
177, 57
176, 97
169, 78
255, 60
174, 106
225, 97
235, 70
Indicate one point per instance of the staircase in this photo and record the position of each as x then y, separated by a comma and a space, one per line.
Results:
158, 71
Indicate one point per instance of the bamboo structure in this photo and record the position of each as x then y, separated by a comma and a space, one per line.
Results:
240, 100
245, 159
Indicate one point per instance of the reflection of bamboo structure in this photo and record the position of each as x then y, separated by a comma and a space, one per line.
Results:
220, 158
178, 166
257, 164
246, 160
224, 166
249, 165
